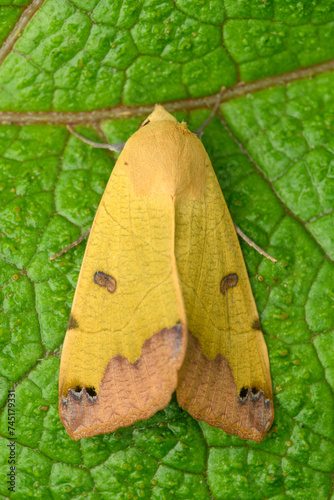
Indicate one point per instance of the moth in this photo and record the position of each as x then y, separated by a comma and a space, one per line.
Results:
163, 300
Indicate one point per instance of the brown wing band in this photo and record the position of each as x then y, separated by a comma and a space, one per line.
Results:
128, 392
208, 392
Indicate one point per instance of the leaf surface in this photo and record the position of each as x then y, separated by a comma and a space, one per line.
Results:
272, 147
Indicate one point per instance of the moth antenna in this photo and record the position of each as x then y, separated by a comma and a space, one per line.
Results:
254, 245
71, 245
199, 131
112, 147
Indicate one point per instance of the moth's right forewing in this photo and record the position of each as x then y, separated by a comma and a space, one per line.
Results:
225, 377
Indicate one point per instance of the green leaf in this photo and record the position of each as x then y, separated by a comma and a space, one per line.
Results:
272, 147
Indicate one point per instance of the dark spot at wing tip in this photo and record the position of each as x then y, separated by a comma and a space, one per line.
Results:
256, 325
246, 392
105, 280
91, 392
255, 393
78, 392
75, 393
229, 281
72, 323
243, 394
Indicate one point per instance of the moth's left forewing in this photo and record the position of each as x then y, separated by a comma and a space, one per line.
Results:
225, 377
127, 334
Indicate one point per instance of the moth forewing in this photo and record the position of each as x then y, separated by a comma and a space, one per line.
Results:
225, 377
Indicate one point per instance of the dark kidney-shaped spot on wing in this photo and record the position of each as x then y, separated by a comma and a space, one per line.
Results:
105, 280
229, 281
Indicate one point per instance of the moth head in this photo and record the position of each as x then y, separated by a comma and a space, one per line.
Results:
159, 114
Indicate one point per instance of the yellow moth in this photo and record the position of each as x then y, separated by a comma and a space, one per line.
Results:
163, 301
